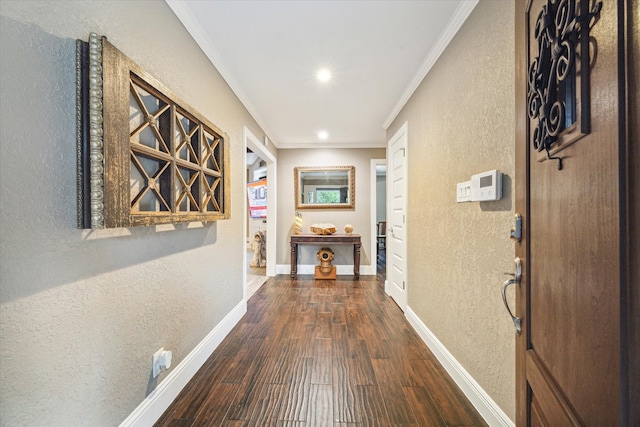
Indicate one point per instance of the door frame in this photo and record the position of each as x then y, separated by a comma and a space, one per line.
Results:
249, 140
402, 301
521, 186
374, 207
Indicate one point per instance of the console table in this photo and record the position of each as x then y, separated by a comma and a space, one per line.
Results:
325, 240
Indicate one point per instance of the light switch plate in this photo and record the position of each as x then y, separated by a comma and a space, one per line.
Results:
463, 192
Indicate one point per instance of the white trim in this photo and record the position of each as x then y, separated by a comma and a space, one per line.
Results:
283, 269
245, 209
374, 208
460, 15
154, 405
257, 146
272, 218
181, 10
490, 411
365, 270
347, 269
337, 144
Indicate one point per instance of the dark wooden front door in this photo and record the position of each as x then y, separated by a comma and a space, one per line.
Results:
571, 167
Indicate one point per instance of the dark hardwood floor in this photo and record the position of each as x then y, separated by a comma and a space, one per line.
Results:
321, 353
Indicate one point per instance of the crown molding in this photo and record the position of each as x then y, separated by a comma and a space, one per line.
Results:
461, 14
193, 27
332, 145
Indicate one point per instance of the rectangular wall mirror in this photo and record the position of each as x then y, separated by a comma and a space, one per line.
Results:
325, 187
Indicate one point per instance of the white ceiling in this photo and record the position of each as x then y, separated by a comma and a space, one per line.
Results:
269, 51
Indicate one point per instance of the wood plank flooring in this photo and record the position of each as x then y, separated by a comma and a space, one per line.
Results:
311, 353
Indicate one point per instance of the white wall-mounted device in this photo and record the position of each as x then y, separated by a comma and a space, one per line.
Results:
486, 186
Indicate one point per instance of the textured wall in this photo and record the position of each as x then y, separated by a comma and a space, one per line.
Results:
360, 218
461, 122
83, 311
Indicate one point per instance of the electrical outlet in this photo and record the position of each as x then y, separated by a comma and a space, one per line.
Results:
161, 361
156, 362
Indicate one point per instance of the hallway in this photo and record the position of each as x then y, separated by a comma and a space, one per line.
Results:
321, 353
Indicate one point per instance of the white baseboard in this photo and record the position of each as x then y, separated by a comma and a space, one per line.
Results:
488, 409
283, 269
154, 405
365, 270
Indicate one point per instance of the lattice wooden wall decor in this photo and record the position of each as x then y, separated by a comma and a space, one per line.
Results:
144, 156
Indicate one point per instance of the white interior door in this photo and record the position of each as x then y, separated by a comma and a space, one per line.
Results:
396, 285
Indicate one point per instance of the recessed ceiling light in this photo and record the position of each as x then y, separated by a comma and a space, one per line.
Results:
323, 75
323, 134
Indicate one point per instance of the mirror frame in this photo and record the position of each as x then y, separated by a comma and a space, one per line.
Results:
351, 175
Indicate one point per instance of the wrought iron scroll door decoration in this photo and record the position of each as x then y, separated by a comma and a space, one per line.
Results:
558, 82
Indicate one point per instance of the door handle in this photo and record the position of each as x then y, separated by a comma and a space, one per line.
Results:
517, 276
516, 320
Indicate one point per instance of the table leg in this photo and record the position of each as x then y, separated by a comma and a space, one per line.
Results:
294, 260
356, 260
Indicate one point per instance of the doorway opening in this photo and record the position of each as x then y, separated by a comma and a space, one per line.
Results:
260, 214
379, 217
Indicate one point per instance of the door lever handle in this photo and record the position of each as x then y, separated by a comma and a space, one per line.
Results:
516, 277
516, 320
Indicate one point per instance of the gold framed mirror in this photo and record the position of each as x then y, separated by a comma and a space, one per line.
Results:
325, 187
